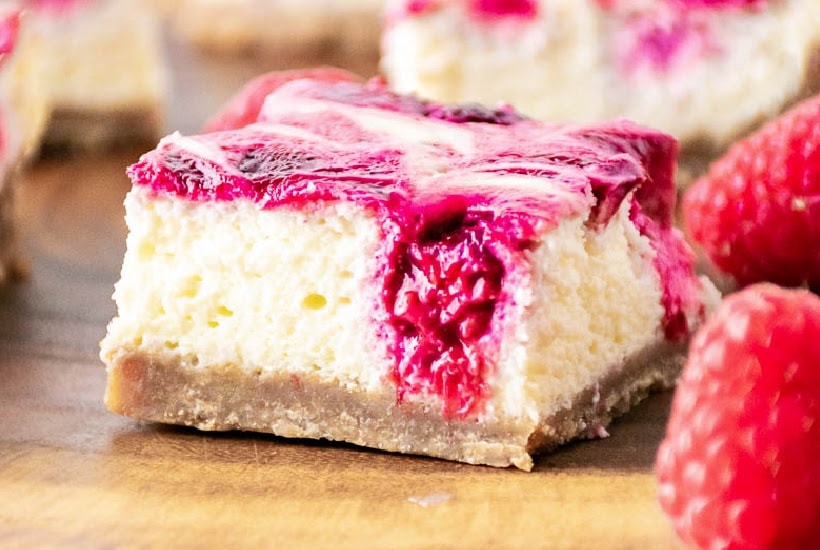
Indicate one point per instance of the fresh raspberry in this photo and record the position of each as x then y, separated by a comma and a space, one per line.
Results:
757, 211
739, 466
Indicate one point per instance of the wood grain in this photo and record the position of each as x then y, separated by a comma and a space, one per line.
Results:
73, 475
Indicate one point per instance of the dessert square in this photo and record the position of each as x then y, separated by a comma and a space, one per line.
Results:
356, 265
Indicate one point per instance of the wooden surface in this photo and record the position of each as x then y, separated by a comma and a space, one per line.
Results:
72, 475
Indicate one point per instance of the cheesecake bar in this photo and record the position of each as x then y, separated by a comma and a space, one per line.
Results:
450, 280
704, 71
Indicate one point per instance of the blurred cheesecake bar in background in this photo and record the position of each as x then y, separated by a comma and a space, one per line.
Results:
23, 114
104, 69
77, 74
351, 27
704, 71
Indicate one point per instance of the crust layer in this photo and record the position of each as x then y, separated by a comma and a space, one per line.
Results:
172, 389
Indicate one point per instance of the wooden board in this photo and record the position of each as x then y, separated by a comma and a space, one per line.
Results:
73, 475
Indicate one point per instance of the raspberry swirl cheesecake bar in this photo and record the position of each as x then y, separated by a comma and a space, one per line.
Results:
703, 70
356, 265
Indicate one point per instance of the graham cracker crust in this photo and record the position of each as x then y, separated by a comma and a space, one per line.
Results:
173, 389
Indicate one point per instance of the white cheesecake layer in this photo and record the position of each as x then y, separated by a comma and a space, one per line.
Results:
286, 291
564, 65
596, 300
228, 283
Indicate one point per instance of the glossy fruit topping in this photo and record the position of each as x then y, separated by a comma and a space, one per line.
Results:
472, 112
443, 293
